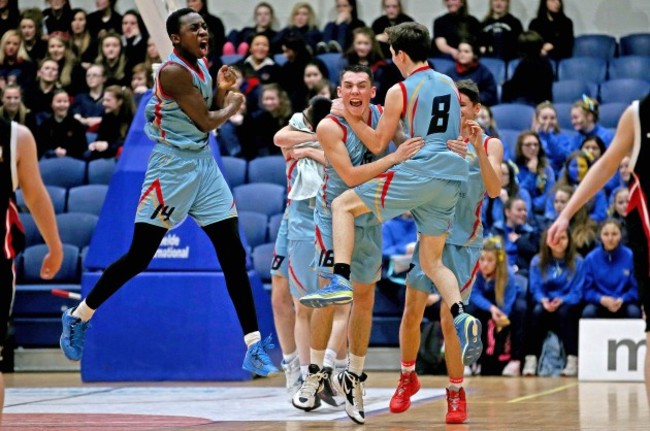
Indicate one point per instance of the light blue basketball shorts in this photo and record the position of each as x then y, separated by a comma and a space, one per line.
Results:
366, 258
279, 261
462, 261
432, 201
303, 280
179, 183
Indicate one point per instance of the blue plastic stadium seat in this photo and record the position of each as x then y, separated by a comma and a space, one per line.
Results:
335, 64
280, 59
441, 65
515, 116
635, 44
100, 171
594, 45
76, 228
57, 196
262, 255
231, 58
610, 113
509, 139
623, 90
631, 66
570, 90
254, 225
63, 172
269, 169
234, 170
32, 235
564, 115
274, 226
261, 197
87, 199
33, 259
497, 67
586, 68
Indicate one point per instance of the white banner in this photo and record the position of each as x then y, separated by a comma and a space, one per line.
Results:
611, 350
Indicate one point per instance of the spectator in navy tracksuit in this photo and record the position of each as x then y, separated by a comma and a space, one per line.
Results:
535, 172
610, 287
468, 67
556, 280
584, 118
495, 297
521, 239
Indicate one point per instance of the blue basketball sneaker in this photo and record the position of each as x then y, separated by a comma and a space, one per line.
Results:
338, 291
72, 337
257, 360
468, 329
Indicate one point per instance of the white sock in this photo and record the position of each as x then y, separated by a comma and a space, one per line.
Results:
83, 311
341, 363
252, 338
330, 358
304, 370
356, 364
317, 357
290, 357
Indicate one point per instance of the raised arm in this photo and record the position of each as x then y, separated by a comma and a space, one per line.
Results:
330, 136
489, 159
598, 174
176, 82
38, 201
289, 136
226, 80
377, 140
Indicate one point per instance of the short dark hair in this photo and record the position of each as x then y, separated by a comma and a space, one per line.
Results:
173, 23
469, 89
357, 68
412, 38
319, 108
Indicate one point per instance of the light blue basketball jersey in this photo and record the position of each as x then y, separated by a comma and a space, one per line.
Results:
301, 213
467, 227
432, 111
333, 185
166, 121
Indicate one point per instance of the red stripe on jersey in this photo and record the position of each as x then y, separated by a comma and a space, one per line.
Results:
319, 240
295, 278
156, 187
381, 108
345, 129
11, 219
639, 202
388, 176
193, 67
477, 221
470, 282
415, 107
485, 142
420, 69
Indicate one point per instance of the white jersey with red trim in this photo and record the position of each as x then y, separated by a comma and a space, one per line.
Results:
167, 123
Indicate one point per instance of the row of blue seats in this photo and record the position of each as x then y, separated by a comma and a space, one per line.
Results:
67, 172
268, 169
518, 116
81, 199
75, 228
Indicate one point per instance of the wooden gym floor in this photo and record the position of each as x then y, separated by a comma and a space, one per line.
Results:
39, 401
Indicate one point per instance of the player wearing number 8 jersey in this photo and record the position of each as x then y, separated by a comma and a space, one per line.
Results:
428, 185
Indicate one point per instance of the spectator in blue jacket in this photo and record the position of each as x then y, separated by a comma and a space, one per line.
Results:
337, 35
556, 144
574, 170
535, 173
468, 66
494, 298
610, 287
557, 276
584, 118
520, 238
399, 235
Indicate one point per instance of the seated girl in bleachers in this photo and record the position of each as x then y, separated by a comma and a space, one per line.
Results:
492, 210
521, 240
238, 41
574, 170
31, 30
556, 280
557, 145
468, 66
337, 35
535, 173
610, 288
71, 73
84, 45
257, 69
584, 118
111, 57
141, 81
13, 108
494, 301
61, 135
116, 120
303, 24
15, 65
38, 97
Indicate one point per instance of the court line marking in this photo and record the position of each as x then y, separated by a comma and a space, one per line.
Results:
541, 394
